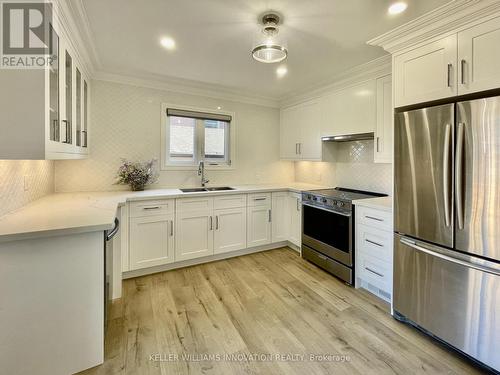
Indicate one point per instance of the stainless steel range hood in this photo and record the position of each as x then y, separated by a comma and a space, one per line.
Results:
348, 137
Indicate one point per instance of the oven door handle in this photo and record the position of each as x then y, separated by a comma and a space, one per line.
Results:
347, 214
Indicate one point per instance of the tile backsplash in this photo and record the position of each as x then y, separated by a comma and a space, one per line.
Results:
349, 164
23, 181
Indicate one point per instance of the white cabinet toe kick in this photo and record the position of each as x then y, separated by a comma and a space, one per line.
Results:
162, 235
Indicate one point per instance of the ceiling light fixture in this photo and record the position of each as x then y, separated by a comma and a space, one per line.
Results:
269, 48
168, 43
397, 8
281, 71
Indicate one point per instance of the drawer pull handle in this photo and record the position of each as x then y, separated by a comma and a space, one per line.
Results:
374, 272
152, 208
259, 199
373, 242
373, 218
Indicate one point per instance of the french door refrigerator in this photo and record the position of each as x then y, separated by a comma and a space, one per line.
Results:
447, 224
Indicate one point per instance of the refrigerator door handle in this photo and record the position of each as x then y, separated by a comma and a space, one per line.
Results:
459, 175
446, 175
494, 270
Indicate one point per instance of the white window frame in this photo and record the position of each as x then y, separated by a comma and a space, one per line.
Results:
210, 164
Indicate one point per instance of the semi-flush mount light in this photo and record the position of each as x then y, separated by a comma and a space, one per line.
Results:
397, 8
269, 48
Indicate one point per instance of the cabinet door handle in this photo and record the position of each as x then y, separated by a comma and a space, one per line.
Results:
300, 148
462, 71
270, 216
374, 272
211, 223
374, 243
450, 65
298, 204
217, 222
296, 148
171, 228
378, 144
373, 218
84, 140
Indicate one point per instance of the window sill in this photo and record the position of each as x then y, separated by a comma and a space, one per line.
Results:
195, 167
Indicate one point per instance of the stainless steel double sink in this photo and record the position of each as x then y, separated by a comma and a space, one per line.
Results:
206, 189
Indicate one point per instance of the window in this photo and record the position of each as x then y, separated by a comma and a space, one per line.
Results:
192, 136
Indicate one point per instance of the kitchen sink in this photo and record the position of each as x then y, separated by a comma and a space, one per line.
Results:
193, 190
201, 189
219, 188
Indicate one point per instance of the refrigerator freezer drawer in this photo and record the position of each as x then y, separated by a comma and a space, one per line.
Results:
457, 303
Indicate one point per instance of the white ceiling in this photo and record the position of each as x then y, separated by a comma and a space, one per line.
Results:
214, 39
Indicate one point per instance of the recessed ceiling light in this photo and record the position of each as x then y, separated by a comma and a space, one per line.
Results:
219, 108
168, 43
281, 71
397, 8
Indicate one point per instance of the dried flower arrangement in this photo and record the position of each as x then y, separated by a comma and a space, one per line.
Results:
137, 174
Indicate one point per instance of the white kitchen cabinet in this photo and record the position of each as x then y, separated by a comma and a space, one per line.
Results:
426, 73
258, 226
479, 57
300, 132
384, 131
41, 106
295, 210
151, 241
349, 111
230, 230
374, 241
194, 235
280, 217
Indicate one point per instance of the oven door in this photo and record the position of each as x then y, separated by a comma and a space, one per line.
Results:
328, 232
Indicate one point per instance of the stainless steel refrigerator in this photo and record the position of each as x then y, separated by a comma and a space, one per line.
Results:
447, 224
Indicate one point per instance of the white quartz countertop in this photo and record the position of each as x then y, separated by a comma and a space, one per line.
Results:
380, 203
72, 213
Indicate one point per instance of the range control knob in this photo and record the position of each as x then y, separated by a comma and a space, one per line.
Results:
340, 204
323, 200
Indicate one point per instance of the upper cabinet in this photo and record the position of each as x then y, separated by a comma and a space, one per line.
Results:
383, 142
458, 64
350, 111
479, 57
426, 73
45, 111
300, 137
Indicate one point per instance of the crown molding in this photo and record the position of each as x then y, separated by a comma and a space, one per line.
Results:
188, 87
360, 73
75, 26
450, 17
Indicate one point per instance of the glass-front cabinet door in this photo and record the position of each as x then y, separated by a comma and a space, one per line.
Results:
85, 131
67, 122
54, 134
78, 108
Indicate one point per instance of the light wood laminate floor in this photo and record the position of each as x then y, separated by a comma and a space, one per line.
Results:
263, 304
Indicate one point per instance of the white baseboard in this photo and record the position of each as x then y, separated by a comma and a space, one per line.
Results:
212, 258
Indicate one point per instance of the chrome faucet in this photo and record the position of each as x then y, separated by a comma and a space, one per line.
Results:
201, 173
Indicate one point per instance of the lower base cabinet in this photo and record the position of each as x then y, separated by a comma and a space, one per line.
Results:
194, 235
295, 210
259, 226
230, 230
151, 241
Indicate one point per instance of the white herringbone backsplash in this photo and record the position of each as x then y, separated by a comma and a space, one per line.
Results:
351, 166
39, 176
126, 124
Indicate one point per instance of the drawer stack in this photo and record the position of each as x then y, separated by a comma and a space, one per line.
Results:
374, 240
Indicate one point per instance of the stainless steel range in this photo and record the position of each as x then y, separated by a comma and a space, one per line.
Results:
328, 229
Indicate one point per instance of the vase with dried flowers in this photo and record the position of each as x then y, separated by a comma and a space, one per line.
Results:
137, 174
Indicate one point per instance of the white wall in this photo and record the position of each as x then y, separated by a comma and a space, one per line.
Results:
350, 165
126, 122
40, 182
